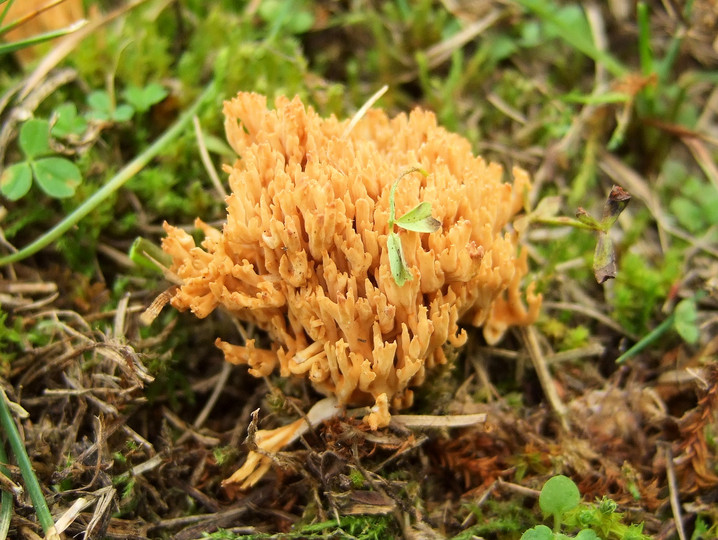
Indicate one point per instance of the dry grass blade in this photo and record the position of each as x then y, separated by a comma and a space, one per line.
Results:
703, 158
439, 53
539, 362
434, 421
673, 493
207, 160
103, 507
70, 515
363, 109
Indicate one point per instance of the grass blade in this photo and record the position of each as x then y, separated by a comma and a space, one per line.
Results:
23, 461
645, 53
548, 12
7, 48
5, 498
648, 339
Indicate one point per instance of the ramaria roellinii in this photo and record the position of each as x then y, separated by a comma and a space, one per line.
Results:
303, 254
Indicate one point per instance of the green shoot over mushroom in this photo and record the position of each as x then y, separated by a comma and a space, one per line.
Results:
418, 219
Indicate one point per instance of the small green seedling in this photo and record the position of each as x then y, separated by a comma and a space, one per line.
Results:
604, 257
561, 499
57, 176
67, 123
558, 496
104, 109
142, 98
542, 532
418, 219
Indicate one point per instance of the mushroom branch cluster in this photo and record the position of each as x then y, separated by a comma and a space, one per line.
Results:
305, 251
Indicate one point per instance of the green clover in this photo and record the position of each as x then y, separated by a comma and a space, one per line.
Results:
142, 98
56, 176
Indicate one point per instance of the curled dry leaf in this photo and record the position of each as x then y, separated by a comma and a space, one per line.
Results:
604, 256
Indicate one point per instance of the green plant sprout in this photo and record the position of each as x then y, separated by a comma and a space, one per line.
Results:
104, 109
558, 496
561, 499
142, 98
66, 122
80, 129
57, 176
418, 219
604, 257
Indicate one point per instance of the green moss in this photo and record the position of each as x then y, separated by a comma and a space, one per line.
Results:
354, 527
563, 335
503, 520
641, 287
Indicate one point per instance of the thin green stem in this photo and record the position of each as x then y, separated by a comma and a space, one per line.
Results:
392, 211
23, 462
5, 498
565, 222
392, 193
130, 170
41, 38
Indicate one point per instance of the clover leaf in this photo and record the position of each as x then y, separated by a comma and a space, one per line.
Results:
685, 322
104, 109
68, 122
143, 98
56, 176
16, 180
34, 138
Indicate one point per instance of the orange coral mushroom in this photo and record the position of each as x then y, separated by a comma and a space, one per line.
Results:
303, 253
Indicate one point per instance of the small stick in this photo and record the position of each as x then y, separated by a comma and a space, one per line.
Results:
436, 421
673, 491
206, 160
517, 488
544, 375
216, 392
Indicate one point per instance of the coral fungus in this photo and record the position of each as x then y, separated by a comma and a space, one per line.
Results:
303, 253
